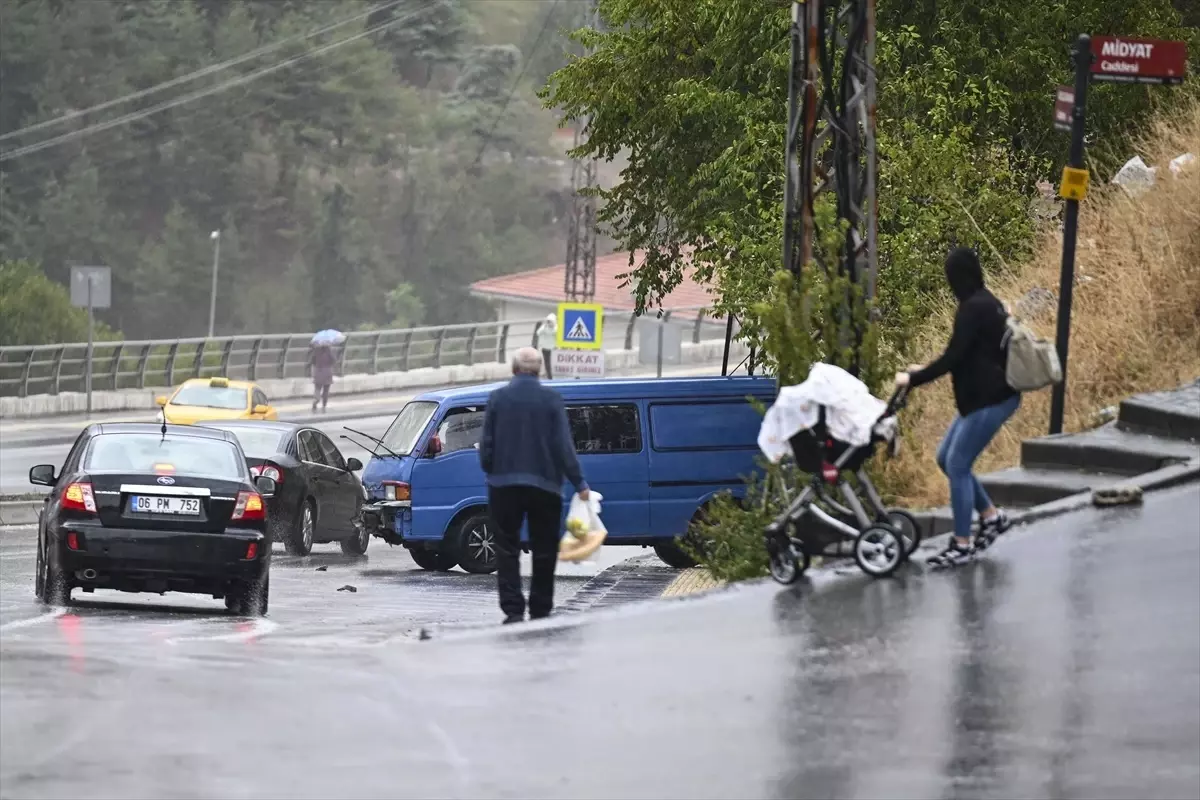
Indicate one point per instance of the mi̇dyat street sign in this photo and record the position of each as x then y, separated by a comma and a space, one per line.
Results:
1064, 102
1123, 60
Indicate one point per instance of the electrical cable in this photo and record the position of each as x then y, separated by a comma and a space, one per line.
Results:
8, 155
191, 76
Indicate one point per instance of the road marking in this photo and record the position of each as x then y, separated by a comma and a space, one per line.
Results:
31, 621
260, 627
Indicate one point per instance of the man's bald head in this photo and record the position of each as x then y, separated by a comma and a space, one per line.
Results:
527, 361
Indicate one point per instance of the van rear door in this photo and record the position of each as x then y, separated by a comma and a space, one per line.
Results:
609, 439
697, 447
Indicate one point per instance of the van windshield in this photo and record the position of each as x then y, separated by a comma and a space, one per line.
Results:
402, 436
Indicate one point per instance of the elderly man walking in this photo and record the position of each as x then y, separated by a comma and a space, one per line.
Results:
526, 451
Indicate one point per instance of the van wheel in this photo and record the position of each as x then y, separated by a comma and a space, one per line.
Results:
674, 555
432, 560
475, 543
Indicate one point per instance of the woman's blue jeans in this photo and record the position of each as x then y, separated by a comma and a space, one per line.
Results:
964, 441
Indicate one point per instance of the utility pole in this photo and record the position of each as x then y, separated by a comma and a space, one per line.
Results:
212, 300
579, 280
1066, 286
830, 143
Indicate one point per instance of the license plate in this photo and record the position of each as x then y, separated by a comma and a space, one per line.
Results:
150, 504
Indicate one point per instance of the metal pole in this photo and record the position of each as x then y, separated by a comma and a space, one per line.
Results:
212, 300
789, 145
1066, 286
87, 377
658, 368
728, 338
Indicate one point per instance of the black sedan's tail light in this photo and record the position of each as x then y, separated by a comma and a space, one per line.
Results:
267, 471
79, 497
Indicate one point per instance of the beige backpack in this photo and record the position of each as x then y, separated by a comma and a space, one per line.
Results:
1032, 362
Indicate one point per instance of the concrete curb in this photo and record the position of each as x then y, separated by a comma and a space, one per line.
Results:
48, 405
1164, 478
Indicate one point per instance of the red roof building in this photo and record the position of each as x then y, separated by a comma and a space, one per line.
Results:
538, 291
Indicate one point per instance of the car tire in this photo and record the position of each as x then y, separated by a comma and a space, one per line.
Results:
250, 599
432, 560
39, 573
51, 584
673, 555
475, 543
356, 545
299, 539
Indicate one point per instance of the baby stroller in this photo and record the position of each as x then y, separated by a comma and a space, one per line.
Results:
813, 521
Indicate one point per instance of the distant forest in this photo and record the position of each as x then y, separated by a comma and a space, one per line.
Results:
366, 185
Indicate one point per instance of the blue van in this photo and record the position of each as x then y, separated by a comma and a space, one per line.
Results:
656, 449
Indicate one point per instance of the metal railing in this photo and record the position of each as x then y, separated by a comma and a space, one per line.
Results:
54, 368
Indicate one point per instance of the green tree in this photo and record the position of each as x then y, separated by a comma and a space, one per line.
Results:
963, 99
37, 310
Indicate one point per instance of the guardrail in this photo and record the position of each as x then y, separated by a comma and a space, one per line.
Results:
54, 368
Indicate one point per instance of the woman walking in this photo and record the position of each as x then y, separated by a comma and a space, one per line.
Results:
322, 360
547, 336
975, 359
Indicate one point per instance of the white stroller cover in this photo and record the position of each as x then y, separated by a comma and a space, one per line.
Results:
851, 411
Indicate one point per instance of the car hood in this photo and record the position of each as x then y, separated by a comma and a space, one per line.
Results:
187, 415
385, 468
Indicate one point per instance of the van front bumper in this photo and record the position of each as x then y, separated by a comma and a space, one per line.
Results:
388, 519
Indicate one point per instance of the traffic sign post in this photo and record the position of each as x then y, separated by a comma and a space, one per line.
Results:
580, 326
91, 288
1102, 58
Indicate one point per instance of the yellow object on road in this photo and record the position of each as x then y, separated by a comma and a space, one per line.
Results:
211, 399
576, 548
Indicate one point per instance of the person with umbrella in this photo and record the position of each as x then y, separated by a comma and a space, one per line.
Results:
322, 359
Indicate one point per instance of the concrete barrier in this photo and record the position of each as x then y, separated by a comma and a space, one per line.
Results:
138, 399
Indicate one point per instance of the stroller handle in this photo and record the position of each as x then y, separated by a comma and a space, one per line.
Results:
896, 402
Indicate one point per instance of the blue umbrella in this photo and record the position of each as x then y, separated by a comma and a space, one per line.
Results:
328, 336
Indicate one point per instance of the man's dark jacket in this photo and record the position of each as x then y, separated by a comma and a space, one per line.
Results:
527, 438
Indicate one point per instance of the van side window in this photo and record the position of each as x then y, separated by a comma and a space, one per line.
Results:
461, 429
704, 426
605, 429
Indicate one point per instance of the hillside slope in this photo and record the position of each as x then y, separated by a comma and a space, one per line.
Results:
1135, 323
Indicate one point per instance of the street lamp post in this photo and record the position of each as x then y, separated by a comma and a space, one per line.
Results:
212, 300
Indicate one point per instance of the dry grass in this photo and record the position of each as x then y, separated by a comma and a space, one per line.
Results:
1135, 324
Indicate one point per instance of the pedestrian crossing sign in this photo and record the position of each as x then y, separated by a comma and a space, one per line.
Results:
580, 326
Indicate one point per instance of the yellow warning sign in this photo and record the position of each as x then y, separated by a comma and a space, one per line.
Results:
1074, 184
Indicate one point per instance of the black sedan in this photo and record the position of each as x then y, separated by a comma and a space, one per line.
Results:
155, 508
318, 497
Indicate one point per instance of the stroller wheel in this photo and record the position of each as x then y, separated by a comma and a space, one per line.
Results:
879, 551
786, 562
909, 529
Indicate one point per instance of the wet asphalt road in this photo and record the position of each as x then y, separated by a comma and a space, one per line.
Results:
1064, 663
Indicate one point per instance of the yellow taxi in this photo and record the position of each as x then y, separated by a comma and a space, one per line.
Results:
204, 399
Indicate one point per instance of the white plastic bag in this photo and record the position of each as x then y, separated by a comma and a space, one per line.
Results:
1135, 177
584, 541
